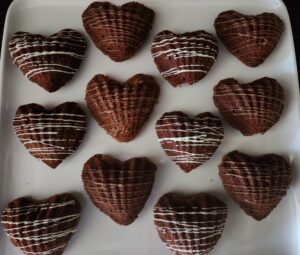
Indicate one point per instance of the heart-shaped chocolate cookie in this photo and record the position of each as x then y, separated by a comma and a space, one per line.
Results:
184, 58
41, 227
257, 184
251, 108
48, 61
122, 109
118, 31
119, 189
189, 142
190, 225
250, 38
50, 135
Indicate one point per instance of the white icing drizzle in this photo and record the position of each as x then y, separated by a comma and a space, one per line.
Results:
190, 232
32, 233
29, 52
185, 140
168, 47
43, 133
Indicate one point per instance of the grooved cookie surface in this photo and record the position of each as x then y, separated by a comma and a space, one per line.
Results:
189, 142
190, 225
50, 135
184, 58
122, 109
48, 61
258, 183
119, 189
118, 31
41, 227
251, 38
251, 108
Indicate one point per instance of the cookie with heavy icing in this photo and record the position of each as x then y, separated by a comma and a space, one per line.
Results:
189, 142
251, 108
251, 38
118, 31
190, 225
122, 109
257, 183
50, 62
42, 227
184, 58
119, 189
50, 135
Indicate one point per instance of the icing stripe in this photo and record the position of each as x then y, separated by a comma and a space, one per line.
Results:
60, 53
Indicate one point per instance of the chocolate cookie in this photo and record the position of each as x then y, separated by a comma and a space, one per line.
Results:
184, 58
50, 135
41, 227
251, 108
257, 184
118, 31
119, 189
250, 38
189, 142
122, 109
190, 225
48, 61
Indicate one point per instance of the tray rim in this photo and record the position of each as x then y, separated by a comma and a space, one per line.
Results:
5, 54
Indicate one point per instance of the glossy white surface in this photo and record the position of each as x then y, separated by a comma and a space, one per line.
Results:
22, 175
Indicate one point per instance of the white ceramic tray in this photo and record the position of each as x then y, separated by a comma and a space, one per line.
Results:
22, 175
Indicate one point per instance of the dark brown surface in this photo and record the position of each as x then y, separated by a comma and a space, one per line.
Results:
184, 58
190, 225
122, 109
292, 5
250, 38
119, 189
50, 135
118, 31
189, 142
251, 108
41, 227
258, 183
48, 70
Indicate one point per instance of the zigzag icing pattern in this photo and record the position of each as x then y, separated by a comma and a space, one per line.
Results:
190, 229
50, 136
41, 229
184, 58
35, 54
189, 143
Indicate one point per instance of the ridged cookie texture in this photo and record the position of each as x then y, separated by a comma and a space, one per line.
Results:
41, 227
257, 183
190, 225
251, 38
184, 58
118, 31
122, 109
119, 189
50, 135
251, 108
189, 142
50, 62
